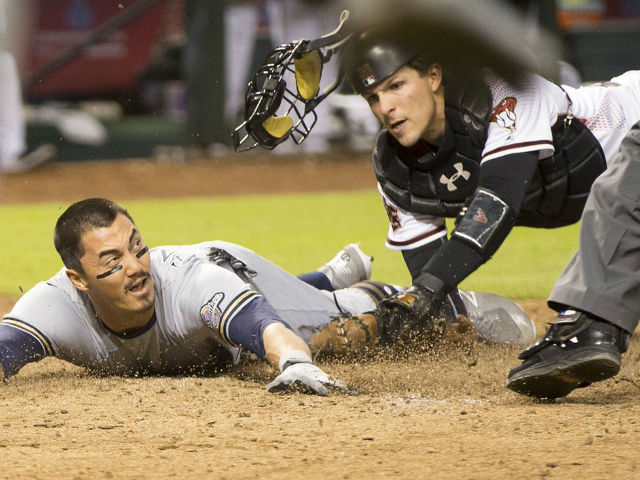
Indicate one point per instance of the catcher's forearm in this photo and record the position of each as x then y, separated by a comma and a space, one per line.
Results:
453, 262
481, 229
417, 258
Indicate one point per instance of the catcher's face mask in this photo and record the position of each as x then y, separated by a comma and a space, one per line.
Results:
273, 110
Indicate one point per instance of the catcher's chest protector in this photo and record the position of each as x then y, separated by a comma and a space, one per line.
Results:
561, 184
439, 183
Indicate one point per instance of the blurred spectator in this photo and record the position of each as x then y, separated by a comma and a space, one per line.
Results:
13, 155
204, 67
247, 37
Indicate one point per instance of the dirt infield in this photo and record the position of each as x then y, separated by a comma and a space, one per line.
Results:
440, 415
143, 178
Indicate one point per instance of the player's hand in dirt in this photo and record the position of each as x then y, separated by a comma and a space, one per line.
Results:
306, 378
410, 315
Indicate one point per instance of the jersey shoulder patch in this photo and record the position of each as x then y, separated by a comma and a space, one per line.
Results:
211, 313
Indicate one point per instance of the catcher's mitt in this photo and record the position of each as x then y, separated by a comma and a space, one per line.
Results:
346, 335
415, 314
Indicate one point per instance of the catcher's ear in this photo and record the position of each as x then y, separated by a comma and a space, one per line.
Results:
77, 279
434, 74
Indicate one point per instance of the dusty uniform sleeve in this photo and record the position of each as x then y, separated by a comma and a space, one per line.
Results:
222, 301
20, 343
23, 338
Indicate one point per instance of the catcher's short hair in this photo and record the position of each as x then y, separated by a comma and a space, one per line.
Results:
76, 220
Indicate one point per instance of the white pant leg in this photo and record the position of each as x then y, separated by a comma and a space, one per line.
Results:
296, 20
631, 81
352, 300
624, 113
241, 20
12, 131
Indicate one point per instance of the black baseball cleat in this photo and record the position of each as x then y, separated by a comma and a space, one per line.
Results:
576, 351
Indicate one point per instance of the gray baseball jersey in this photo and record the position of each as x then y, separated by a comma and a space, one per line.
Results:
204, 292
196, 303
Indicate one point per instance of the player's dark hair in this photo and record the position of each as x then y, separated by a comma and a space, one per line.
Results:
76, 220
421, 64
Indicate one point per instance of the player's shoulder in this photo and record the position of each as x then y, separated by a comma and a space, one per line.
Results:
524, 86
51, 302
57, 287
176, 255
178, 264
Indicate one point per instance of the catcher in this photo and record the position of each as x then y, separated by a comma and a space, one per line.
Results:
460, 142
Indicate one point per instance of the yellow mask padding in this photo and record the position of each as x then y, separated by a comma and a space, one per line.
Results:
308, 69
278, 127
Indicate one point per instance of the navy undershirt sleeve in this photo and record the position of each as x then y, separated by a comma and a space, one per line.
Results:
417, 258
17, 348
318, 280
247, 326
508, 177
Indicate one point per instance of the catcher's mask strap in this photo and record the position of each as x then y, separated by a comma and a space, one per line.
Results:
334, 39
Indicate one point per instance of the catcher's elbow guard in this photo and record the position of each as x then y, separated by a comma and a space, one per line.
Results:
486, 222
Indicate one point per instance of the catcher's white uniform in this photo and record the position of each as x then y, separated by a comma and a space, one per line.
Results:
521, 122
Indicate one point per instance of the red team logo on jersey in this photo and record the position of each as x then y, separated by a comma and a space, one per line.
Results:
392, 213
504, 114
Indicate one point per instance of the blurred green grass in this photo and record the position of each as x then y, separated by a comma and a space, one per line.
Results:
298, 232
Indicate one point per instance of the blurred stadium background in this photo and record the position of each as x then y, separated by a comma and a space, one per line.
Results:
147, 78
112, 80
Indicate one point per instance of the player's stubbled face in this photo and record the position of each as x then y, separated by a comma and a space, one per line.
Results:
117, 267
405, 104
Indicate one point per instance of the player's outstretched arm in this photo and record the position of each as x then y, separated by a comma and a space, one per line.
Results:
279, 345
286, 351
